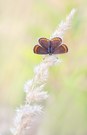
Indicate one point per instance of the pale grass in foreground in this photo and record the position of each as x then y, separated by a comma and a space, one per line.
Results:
28, 116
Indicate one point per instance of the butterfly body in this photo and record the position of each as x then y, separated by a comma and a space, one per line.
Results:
50, 47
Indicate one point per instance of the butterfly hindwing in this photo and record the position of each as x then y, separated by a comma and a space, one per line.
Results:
55, 42
44, 42
39, 50
61, 49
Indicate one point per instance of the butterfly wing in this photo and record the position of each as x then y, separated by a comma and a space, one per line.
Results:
44, 42
61, 49
39, 50
55, 42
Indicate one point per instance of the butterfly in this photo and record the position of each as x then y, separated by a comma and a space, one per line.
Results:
50, 46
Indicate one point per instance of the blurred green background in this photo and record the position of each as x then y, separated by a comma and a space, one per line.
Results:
22, 22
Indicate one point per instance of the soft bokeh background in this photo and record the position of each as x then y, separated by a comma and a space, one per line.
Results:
22, 22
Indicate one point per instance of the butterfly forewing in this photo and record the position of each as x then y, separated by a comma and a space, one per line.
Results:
44, 42
39, 50
61, 49
55, 42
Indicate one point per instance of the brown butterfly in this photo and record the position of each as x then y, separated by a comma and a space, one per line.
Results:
53, 46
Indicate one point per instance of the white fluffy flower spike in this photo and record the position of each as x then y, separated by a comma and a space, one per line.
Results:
29, 115
63, 26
